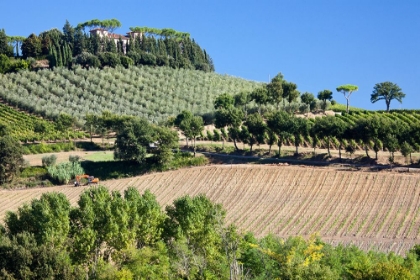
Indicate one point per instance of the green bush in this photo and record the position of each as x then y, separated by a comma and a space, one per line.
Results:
43, 148
49, 160
74, 158
126, 61
183, 159
64, 172
34, 171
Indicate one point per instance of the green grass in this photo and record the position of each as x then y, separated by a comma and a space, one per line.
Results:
100, 156
342, 108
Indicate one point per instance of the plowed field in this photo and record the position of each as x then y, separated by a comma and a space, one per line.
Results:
371, 210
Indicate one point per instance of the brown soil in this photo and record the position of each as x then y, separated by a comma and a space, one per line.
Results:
373, 210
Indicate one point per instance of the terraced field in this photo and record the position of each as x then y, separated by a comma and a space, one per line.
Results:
371, 210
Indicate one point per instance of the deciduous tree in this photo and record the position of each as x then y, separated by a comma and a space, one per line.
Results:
279, 123
387, 91
298, 127
307, 98
133, 140
231, 118
325, 95
31, 46
224, 101
275, 89
327, 128
47, 218
256, 128
260, 96
11, 159
192, 127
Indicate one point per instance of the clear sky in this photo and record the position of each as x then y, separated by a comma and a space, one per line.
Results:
317, 44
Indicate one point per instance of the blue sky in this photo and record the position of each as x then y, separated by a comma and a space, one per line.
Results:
317, 44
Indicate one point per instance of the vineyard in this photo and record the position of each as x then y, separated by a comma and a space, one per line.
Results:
151, 92
409, 117
379, 211
23, 125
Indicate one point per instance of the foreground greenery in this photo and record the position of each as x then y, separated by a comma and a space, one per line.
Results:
110, 235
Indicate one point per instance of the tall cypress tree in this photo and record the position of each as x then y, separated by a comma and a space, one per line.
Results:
68, 33
95, 44
59, 57
110, 45
5, 48
79, 42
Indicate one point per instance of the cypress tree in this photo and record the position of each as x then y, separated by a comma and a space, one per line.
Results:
60, 57
68, 33
161, 48
79, 42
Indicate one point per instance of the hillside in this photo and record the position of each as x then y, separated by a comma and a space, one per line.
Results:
371, 210
151, 92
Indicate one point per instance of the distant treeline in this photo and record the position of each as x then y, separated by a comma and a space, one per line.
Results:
92, 44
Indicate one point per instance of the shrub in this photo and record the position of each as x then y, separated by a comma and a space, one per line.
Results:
216, 135
126, 61
64, 172
87, 60
49, 160
74, 158
34, 171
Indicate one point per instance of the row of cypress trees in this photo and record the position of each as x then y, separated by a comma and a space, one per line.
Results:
60, 48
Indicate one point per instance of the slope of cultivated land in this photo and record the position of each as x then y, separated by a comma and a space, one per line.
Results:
151, 92
22, 125
371, 210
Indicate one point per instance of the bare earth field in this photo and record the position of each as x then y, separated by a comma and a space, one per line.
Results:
373, 210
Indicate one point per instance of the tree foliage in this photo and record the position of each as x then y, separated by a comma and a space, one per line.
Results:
5, 48
325, 95
347, 90
387, 91
11, 159
109, 235
133, 141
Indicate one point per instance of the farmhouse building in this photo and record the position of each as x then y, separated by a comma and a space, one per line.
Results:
103, 33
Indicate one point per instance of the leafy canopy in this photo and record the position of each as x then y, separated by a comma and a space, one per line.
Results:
387, 91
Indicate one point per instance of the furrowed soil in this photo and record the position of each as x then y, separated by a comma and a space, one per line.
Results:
373, 210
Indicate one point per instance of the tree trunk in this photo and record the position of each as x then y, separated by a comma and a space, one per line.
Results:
367, 151
339, 151
194, 147
328, 147
236, 146
279, 144
347, 107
